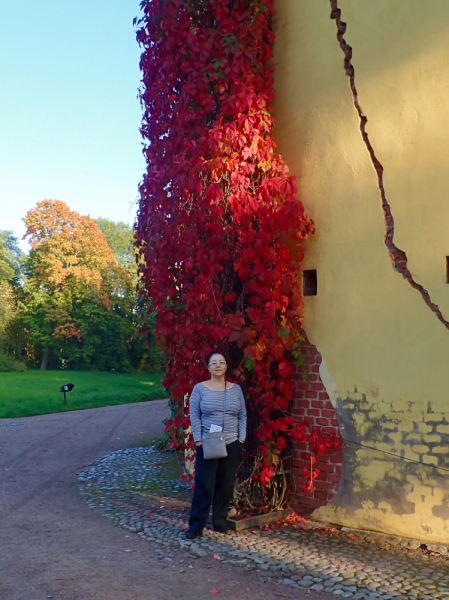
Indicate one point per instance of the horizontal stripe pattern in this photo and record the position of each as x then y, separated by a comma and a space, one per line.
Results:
206, 409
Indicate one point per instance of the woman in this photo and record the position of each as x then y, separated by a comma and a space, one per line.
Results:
214, 478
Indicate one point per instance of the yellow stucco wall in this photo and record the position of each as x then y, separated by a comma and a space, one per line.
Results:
385, 349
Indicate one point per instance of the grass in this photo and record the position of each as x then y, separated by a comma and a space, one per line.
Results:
37, 392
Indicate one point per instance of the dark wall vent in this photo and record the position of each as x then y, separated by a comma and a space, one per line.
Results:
309, 283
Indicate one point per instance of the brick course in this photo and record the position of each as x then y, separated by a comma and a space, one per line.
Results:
312, 404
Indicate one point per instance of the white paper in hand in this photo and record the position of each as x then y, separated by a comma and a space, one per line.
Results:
214, 428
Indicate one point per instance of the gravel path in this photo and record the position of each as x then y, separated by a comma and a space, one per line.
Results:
301, 555
54, 546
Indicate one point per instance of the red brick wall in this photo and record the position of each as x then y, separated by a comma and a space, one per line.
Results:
313, 405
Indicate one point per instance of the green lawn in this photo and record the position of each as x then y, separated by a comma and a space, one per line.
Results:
37, 392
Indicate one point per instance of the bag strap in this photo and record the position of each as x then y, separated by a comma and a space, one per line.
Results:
224, 406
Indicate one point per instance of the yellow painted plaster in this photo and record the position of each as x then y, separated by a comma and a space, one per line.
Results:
385, 350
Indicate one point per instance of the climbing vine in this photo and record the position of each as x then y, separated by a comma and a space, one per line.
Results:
220, 228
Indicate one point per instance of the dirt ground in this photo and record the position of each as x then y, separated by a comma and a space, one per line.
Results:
53, 546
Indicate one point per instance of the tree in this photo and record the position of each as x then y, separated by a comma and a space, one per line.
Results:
147, 353
8, 312
120, 238
67, 249
79, 300
11, 258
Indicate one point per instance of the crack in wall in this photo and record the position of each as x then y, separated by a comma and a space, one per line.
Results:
398, 256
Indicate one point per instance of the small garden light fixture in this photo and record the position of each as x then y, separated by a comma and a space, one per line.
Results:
68, 387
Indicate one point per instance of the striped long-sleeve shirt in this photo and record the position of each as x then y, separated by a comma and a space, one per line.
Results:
206, 409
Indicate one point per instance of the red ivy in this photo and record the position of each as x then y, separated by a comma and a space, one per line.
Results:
220, 229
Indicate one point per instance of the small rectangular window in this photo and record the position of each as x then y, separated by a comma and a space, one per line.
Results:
309, 283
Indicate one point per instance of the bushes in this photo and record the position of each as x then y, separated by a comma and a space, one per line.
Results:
8, 312
9, 364
153, 359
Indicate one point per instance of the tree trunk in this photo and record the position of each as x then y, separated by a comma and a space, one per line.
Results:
44, 363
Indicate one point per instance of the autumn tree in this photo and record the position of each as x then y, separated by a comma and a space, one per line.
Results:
79, 299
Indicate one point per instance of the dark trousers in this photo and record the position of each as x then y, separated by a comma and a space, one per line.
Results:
214, 483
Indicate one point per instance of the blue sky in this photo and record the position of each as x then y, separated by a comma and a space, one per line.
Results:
69, 115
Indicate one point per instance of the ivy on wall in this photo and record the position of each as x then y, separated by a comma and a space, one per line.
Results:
220, 228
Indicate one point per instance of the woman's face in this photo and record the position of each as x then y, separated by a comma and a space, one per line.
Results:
217, 365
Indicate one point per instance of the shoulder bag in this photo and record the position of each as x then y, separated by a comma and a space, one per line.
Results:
214, 444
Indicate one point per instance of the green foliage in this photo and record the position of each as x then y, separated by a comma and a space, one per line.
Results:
71, 302
152, 359
9, 364
11, 258
106, 328
148, 349
78, 301
7, 309
120, 238
9, 358
37, 392
107, 336
146, 353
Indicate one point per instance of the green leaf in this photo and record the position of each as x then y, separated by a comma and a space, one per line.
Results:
283, 332
248, 364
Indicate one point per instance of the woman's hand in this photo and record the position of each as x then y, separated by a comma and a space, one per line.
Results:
198, 443
242, 441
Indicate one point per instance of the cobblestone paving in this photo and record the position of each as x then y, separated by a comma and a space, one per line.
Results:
140, 491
